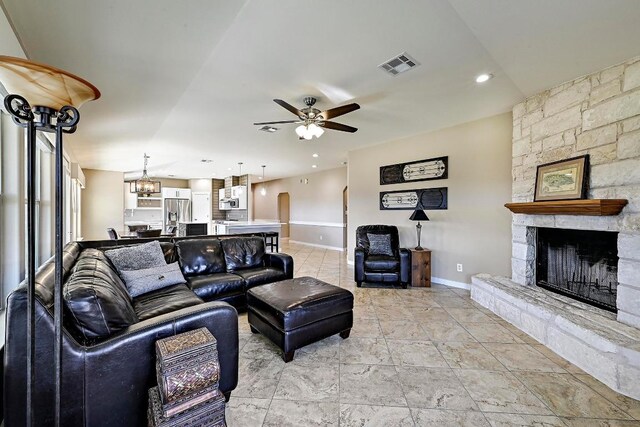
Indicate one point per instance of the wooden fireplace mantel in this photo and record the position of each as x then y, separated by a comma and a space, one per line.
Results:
593, 207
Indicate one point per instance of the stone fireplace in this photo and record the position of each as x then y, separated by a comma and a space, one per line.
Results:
581, 258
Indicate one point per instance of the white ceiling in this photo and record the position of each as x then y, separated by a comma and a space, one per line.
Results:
185, 80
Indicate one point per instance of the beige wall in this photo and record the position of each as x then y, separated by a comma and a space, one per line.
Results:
201, 185
476, 229
102, 203
173, 182
317, 202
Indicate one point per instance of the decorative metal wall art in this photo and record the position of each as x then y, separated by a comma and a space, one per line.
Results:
420, 170
425, 198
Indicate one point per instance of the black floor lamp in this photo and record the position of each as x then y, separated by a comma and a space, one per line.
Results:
43, 98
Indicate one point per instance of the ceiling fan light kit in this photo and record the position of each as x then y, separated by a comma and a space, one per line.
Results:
312, 121
309, 131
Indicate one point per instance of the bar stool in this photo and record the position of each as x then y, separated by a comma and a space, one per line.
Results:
272, 240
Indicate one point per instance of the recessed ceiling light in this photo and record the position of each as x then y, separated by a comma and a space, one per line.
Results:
483, 78
314, 166
170, 175
314, 155
206, 161
229, 169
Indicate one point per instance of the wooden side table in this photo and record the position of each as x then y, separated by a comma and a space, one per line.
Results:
421, 268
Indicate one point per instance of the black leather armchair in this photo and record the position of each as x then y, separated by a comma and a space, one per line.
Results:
394, 268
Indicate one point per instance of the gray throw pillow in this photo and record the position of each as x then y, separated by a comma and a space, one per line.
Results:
380, 244
137, 257
149, 279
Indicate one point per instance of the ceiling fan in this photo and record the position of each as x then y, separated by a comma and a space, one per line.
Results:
313, 121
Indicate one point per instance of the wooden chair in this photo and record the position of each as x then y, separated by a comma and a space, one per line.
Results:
113, 235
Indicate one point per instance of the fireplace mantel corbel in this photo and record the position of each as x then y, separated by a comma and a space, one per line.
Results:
592, 207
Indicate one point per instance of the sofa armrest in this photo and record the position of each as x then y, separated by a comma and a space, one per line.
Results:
405, 265
123, 367
280, 261
358, 264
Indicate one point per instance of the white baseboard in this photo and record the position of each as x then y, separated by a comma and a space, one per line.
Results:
451, 283
318, 224
333, 248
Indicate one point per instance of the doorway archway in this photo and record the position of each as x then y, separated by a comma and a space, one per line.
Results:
283, 214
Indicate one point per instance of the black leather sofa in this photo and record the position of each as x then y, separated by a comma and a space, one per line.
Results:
386, 269
105, 381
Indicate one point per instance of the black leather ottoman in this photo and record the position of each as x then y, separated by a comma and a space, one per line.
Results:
300, 311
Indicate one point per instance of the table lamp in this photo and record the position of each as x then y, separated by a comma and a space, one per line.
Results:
43, 98
419, 215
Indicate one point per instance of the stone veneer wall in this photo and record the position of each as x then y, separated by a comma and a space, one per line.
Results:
599, 115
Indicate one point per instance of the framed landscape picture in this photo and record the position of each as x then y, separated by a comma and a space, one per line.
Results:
563, 180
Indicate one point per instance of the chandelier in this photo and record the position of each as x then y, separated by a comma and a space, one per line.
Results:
145, 185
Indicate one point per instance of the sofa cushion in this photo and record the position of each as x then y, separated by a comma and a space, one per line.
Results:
200, 256
149, 279
169, 252
137, 257
381, 263
164, 300
260, 276
243, 252
96, 299
214, 286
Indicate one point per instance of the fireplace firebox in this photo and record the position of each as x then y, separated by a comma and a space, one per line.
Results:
580, 264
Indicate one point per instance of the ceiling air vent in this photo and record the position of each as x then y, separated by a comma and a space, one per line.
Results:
399, 64
269, 129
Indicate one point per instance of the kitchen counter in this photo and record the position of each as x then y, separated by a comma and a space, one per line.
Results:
237, 227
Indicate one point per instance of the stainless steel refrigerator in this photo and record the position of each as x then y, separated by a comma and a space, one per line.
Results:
175, 210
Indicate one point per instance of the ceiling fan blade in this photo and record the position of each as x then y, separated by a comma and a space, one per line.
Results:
337, 126
289, 107
338, 111
281, 122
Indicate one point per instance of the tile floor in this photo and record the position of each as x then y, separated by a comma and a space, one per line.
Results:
415, 357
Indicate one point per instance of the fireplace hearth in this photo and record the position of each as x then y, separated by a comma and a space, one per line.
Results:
580, 264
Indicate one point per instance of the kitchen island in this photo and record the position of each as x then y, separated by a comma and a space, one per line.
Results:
240, 227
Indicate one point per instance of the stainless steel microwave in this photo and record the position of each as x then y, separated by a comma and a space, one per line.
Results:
226, 204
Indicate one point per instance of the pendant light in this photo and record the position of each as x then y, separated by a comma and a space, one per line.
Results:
145, 185
263, 190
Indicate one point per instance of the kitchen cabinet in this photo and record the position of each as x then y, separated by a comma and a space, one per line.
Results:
130, 199
239, 192
176, 193
220, 194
